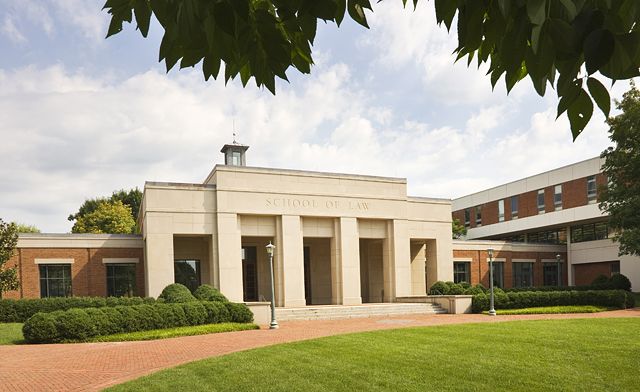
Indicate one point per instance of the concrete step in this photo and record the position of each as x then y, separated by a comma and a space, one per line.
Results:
326, 312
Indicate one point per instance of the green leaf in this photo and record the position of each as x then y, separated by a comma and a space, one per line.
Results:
600, 95
142, 12
537, 11
342, 8
569, 95
445, 11
580, 113
570, 7
598, 49
505, 7
356, 11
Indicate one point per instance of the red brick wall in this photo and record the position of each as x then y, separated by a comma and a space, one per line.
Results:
88, 273
574, 193
584, 274
479, 267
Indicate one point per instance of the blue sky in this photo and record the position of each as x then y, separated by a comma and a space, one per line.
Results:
81, 116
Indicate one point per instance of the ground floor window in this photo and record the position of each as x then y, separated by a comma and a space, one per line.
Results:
522, 274
615, 267
498, 274
550, 272
121, 280
187, 272
55, 280
461, 272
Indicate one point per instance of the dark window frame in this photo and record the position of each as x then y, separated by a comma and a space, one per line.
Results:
51, 286
519, 277
465, 272
114, 286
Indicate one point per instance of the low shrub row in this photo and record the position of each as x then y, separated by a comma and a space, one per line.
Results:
615, 282
83, 324
529, 299
19, 310
450, 288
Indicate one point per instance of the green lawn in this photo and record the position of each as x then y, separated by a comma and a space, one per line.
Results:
573, 355
11, 333
552, 310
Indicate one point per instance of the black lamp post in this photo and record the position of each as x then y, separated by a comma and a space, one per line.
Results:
558, 269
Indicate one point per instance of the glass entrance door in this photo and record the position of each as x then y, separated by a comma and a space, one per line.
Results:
250, 273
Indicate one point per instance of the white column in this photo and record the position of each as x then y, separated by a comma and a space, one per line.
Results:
229, 257
398, 236
158, 254
291, 253
345, 262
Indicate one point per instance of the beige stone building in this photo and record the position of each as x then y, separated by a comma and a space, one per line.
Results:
340, 238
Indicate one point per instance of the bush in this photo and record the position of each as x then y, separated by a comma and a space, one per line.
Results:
619, 282
456, 289
176, 293
601, 281
83, 324
209, 293
439, 288
240, 313
19, 310
530, 299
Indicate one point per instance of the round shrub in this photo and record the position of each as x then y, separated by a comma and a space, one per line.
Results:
75, 324
195, 313
439, 288
40, 328
619, 282
175, 293
465, 285
600, 281
240, 313
207, 292
477, 289
456, 289
217, 312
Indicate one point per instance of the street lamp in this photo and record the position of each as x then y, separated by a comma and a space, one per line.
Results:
492, 311
274, 323
558, 269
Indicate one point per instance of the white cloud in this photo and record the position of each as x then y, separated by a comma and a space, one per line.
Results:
10, 31
85, 15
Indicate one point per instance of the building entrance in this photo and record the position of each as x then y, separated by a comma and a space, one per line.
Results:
250, 273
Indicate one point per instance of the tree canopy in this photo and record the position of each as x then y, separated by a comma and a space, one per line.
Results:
557, 43
457, 229
25, 228
112, 217
621, 197
8, 242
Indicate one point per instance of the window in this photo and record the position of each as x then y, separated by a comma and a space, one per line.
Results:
522, 274
235, 158
550, 274
589, 232
500, 210
478, 215
467, 217
498, 274
514, 207
541, 201
187, 272
556, 236
121, 280
461, 272
55, 280
557, 197
615, 267
592, 190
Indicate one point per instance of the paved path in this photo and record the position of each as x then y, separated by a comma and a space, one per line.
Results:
93, 366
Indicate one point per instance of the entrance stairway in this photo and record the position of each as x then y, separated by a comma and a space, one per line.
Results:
327, 312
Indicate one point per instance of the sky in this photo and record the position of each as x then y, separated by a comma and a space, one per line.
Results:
82, 116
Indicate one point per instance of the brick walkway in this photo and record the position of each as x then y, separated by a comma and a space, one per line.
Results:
93, 366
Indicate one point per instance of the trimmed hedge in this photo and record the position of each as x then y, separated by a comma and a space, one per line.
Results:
84, 324
615, 282
19, 310
529, 299
176, 293
207, 292
450, 288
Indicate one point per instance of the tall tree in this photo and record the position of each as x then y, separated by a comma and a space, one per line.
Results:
457, 229
24, 228
110, 217
560, 43
8, 242
621, 197
131, 198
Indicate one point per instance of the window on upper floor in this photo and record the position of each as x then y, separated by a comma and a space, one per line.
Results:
589, 232
592, 190
478, 215
467, 217
541, 201
514, 207
500, 210
557, 197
